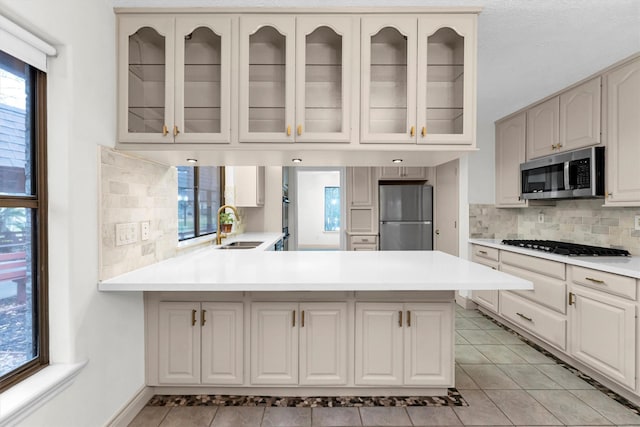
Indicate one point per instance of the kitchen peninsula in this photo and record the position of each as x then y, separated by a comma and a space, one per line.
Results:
304, 323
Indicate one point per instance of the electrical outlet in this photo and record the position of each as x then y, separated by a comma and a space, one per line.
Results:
540, 218
144, 230
636, 222
126, 233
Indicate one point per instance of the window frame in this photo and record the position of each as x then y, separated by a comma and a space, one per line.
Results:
196, 201
38, 201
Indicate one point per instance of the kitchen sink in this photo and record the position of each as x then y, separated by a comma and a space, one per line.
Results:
241, 245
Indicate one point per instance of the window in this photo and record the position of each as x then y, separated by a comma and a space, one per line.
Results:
331, 208
199, 197
23, 221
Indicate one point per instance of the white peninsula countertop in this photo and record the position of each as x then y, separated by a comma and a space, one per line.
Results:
212, 269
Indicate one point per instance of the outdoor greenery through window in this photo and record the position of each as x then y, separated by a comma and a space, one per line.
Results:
23, 305
331, 208
199, 197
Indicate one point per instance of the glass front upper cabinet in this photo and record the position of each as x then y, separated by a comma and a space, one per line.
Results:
324, 78
446, 90
388, 99
267, 79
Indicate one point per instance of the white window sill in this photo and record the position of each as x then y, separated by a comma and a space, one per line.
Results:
22, 399
196, 241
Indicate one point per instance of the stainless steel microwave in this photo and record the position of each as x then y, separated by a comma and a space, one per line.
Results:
574, 174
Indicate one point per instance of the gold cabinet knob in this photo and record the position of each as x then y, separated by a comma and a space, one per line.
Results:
299, 130
413, 131
424, 131
176, 131
553, 146
559, 146
289, 130
165, 130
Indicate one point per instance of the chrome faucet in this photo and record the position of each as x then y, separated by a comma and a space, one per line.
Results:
220, 236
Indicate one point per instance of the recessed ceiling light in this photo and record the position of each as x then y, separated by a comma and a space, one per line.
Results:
192, 160
296, 160
396, 161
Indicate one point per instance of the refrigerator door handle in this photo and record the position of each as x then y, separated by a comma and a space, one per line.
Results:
405, 222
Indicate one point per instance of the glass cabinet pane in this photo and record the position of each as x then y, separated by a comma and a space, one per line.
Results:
146, 81
388, 92
323, 81
445, 82
202, 87
267, 80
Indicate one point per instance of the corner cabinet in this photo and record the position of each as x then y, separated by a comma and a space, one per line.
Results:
418, 79
511, 135
362, 200
174, 79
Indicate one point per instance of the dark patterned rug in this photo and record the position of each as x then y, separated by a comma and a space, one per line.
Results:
453, 398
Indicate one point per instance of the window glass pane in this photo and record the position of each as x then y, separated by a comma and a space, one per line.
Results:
18, 339
15, 127
331, 208
186, 202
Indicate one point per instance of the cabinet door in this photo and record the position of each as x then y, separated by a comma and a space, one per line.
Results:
145, 78
222, 343
603, 334
274, 343
543, 128
324, 78
623, 135
428, 344
203, 79
413, 173
388, 95
379, 344
390, 172
580, 116
487, 299
249, 186
446, 79
323, 343
510, 152
360, 186
267, 78
178, 343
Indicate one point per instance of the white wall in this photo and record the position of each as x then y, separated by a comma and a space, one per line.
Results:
310, 209
105, 329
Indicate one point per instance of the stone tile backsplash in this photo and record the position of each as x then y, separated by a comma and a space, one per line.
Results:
135, 190
579, 221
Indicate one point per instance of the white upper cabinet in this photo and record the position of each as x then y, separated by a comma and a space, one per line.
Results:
324, 78
623, 135
267, 78
174, 79
446, 82
510, 152
388, 96
543, 128
580, 116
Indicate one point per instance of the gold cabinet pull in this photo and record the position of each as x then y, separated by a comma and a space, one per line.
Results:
400, 318
553, 146
528, 319
293, 321
203, 317
302, 319
165, 130
483, 252
176, 131
424, 131
559, 146
409, 318
608, 194
591, 279
299, 130
572, 300
289, 130
413, 131
193, 317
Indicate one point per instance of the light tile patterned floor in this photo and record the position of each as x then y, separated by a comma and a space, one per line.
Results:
505, 382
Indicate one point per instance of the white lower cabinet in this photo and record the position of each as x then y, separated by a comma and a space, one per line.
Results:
302, 343
200, 343
603, 333
404, 344
488, 257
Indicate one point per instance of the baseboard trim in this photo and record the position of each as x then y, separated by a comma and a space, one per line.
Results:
129, 411
465, 302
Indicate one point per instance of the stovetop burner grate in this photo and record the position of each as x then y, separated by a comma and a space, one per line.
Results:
563, 248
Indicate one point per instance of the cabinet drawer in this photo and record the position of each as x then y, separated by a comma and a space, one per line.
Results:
539, 265
607, 282
485, 252
367, 240
546, 291
541, 322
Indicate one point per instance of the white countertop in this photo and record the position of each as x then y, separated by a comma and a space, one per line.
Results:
625, 266
212, 269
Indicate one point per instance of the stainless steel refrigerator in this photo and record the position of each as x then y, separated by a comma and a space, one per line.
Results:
406, 217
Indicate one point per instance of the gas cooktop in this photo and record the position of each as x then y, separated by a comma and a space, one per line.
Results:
563, 248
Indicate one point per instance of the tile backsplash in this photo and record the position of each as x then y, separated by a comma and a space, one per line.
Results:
578, 221
135, 190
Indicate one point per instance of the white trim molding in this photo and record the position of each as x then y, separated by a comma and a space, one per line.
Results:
129, 411
20, 43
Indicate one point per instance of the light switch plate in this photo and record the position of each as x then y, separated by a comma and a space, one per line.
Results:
144, 230
636, 222
126, 233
